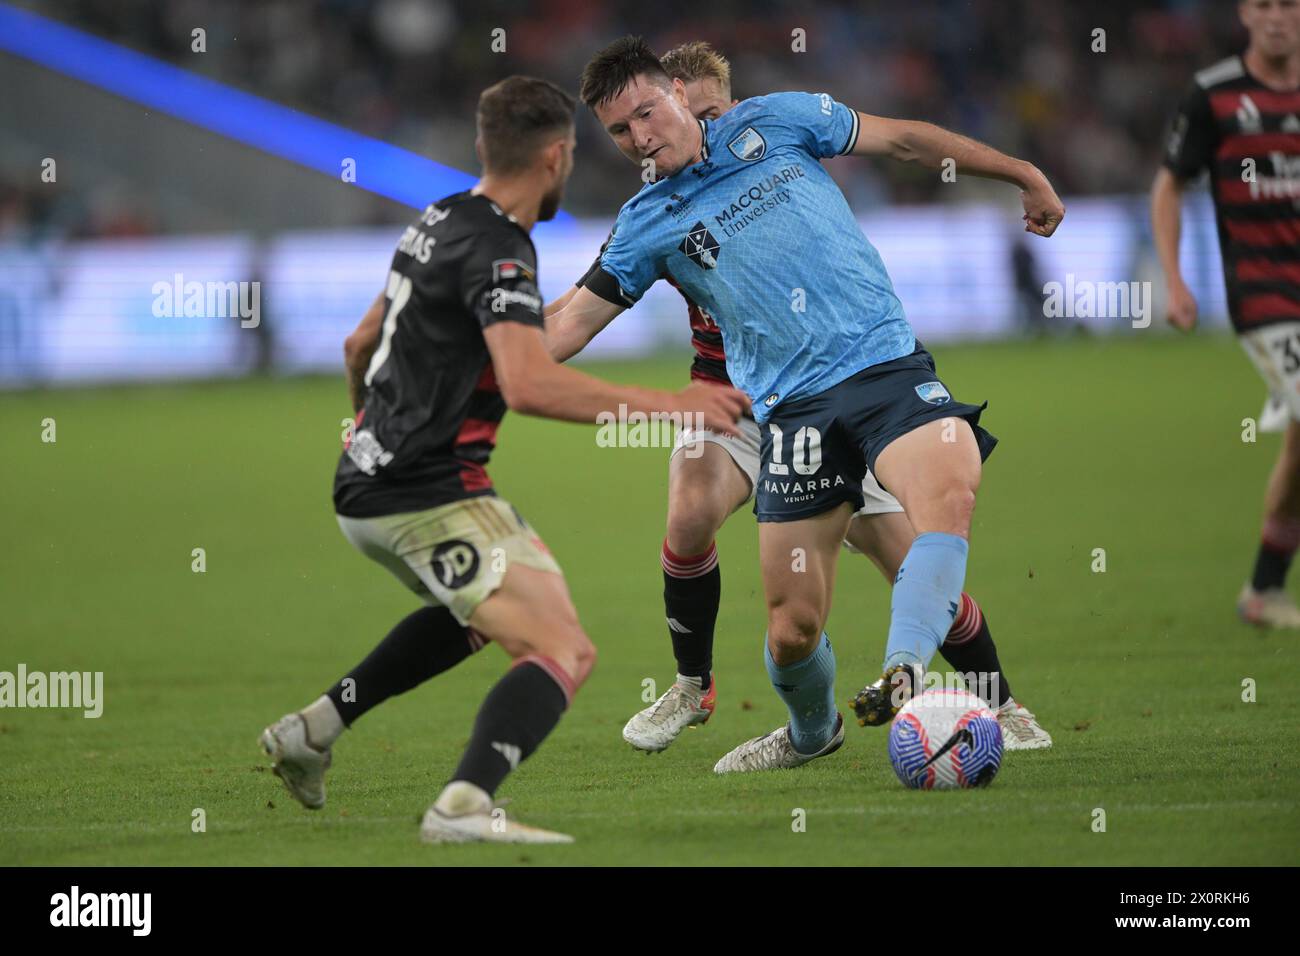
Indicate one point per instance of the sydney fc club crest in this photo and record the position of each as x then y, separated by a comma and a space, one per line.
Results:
749, 145
700, 247
934, 393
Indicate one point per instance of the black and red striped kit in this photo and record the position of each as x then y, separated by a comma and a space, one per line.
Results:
1247, 136
433, 406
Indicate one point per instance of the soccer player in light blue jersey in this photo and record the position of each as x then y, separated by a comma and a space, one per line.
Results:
740, 213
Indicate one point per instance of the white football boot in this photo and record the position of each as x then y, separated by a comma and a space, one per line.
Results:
300, 765
1272, 608
682, 706
775, 752
465, 813
1020, 728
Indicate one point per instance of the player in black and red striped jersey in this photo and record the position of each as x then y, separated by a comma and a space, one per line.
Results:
711, 476
455, 339
1240, 120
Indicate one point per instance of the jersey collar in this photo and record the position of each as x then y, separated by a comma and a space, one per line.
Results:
704, 149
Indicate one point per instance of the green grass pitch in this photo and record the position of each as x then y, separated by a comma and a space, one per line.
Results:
1133, 445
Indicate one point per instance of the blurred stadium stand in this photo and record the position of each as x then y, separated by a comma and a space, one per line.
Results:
142, 197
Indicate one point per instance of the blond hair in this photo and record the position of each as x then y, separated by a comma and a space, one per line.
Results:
697, 60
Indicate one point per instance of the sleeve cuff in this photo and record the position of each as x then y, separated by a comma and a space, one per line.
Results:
601, 283
853, 133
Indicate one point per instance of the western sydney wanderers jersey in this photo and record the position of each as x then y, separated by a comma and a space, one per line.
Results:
1248, 136
759, 235
433, 406
710, 362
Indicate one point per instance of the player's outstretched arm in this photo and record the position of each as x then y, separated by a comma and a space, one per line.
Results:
358, 349
561, 302
569, 329
532, 383
910, 141
552, 308
1167, 226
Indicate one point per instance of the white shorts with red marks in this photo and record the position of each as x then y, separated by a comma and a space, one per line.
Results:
1275, 350
455, 554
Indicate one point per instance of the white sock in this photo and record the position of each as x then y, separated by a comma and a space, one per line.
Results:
324, 725
460, 797
696, 683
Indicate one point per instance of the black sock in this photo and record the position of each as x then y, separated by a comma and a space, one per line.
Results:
422, 645
515, 718
1271, 566
1278, 540
968, 652
692, 594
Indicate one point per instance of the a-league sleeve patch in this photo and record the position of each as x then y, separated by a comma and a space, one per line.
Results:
504, 270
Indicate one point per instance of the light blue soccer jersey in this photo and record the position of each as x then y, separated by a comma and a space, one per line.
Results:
760, 236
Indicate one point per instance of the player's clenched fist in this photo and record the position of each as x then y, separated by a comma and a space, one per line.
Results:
1182, 306
718, 405
1043, 208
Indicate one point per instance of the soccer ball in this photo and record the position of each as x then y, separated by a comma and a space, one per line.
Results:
945, 739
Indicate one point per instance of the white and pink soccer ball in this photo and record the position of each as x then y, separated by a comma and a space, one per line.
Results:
945, 740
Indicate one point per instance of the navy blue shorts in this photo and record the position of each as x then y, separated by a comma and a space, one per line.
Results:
815, 450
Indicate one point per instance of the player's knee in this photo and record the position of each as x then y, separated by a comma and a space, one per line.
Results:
693, 521
963, 500
578, 648
793, 632
955, 507
570, 648
584, 658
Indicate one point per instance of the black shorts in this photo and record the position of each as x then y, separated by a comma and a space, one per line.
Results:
815, 450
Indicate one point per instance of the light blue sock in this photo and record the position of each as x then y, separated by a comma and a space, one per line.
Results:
808, 689
927, 592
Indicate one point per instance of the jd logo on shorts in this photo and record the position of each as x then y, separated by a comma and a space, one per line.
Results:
934, 393
749, 145
455, 563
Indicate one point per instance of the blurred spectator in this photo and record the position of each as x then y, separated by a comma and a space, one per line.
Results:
1021, 74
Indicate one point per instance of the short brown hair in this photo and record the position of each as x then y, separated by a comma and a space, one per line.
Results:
515, 115
613, 68
697, 60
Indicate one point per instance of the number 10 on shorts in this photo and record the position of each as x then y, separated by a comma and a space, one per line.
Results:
807, 451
